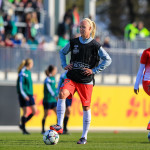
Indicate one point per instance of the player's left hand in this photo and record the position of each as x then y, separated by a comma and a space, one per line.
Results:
87, 71
136, 91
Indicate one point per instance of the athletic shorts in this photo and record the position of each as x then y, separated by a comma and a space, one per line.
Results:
49, 105
25, 103
68, 102
146, 87
84, 91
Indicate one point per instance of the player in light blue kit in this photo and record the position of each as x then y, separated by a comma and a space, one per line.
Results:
86, 54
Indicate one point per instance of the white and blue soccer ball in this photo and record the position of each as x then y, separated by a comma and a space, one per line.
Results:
50, 137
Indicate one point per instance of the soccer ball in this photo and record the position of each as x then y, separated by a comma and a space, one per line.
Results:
50, 137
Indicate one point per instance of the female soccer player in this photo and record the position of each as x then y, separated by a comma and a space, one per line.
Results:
25, 92
68, 103
144, 65
84, 63
50, 93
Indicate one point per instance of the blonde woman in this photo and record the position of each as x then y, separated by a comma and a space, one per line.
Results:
25, 92
84, 63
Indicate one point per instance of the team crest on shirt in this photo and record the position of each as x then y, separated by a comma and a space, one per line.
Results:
75, 49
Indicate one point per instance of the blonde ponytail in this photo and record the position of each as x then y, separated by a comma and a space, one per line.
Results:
92, 25
25, 62
21, 65
93, 30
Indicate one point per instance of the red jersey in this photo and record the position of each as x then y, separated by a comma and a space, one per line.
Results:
145, 59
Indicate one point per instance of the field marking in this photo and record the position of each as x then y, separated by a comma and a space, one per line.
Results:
105, 129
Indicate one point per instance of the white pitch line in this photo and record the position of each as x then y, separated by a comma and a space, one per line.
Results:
101, 129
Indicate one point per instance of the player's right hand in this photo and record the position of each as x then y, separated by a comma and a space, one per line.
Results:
68, 67
136, 91
27, 98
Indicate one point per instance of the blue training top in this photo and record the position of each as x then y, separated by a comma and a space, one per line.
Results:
106, 60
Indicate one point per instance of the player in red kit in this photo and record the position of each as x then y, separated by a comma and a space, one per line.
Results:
144, 70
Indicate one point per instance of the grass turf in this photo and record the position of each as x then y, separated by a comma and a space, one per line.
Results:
96, 141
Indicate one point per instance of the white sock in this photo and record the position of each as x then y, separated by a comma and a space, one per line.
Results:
61, 106
86, 122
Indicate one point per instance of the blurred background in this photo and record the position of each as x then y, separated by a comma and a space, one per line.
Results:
40, 28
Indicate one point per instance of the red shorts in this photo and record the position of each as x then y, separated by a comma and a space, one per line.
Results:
84, 90
146, 87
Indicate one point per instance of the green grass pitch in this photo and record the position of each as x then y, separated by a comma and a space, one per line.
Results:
96, 141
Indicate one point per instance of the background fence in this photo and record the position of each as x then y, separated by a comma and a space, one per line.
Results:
125, 63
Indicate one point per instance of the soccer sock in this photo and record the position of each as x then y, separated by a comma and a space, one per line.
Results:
43, 124
65, 123
86, 122
29, 117
23, 121
60, 111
